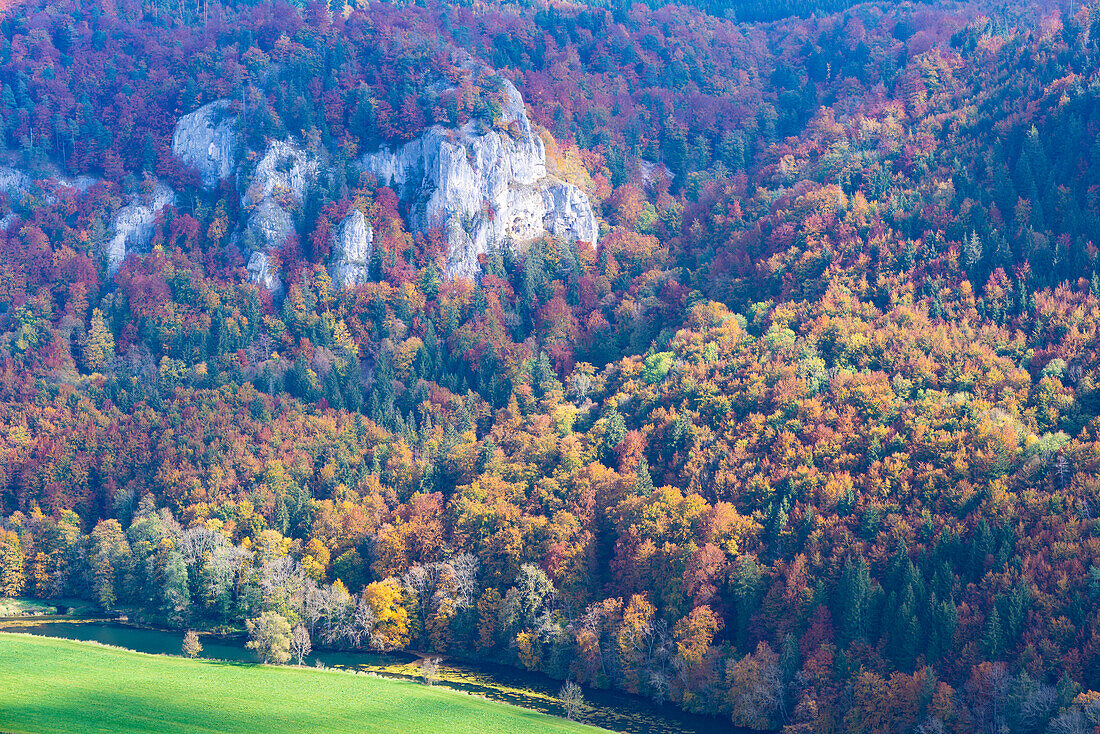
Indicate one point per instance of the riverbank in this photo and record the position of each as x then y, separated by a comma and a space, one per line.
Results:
19, 607
49, 684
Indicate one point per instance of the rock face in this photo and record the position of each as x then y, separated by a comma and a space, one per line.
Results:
277, 185
262, 270
13, 182
352, 245
569, 213
207, 140
17, 183
484, 186
132, 226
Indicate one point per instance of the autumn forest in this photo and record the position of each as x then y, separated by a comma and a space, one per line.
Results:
808, 439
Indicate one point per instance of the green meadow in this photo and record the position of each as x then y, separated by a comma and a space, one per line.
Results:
52, 685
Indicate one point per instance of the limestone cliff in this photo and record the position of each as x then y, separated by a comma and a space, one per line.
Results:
352, 245
484, 185
132, 226
263, 271
14, 183
207, 139
17, 183
274, 189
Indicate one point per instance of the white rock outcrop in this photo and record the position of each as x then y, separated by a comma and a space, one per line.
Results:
275, 188
269, 224
484, 185
569, 212
263, 271
17, 184
14, 183
132, 226
277, 185
284, 169
207, 139
352, 245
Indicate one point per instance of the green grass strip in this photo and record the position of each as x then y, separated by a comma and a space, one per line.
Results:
53, 685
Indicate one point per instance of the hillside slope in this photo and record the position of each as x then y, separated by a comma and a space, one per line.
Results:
806, 438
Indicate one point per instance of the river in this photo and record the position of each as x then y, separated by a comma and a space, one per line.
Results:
608, 709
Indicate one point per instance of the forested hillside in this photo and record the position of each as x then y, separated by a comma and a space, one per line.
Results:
808, 440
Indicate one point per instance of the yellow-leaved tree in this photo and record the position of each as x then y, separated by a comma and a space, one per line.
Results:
98, 344
12, 578
391, 627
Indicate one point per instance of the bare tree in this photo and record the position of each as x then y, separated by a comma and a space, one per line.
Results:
1037, 707
283, 578
1069, 722
300, 643
989, 696
572, 699
313, 606
465, 569
434, 584
223, 569
420, 583
649, 648
365, 620
658, 685
429, 670
338, 611
931, 725
1062, 465
195, 543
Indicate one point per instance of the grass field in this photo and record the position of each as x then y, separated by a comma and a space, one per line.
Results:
52, 685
